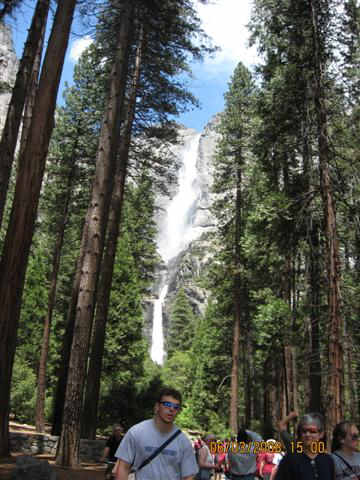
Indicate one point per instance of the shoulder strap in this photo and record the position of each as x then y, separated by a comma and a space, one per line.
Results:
346, 463
158, 450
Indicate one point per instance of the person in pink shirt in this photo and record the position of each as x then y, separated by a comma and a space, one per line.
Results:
266, 465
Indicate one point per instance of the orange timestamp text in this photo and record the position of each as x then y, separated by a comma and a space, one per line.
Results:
315, 447
245, 447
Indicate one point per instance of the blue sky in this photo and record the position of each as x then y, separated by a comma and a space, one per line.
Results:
224, 20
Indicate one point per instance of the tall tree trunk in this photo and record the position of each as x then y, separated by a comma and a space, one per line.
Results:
69, 443
41, 386
21, 225
280, 381
234, 388
315, 404
19, 94
89, 422
30, 98
335, 353
290, 376
59, 400
248, 369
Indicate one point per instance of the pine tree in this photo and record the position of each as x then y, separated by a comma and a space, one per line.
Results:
230, 165
182, 323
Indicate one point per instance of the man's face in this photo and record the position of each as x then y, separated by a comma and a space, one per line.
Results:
351, 441
167, 408
118, 432
311, 434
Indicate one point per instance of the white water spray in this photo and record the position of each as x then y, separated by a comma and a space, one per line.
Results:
157, 343
177, 233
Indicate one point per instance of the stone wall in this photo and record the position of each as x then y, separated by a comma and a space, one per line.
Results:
37, 443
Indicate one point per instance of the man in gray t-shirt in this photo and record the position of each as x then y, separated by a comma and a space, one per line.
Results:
177, 460
242, 463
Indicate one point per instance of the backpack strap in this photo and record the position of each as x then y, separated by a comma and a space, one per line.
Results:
347, 464
158, 450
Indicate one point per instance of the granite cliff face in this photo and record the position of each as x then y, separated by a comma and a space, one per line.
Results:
8, 68
185, 222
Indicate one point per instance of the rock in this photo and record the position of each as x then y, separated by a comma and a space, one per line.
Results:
8, 68
186, 268
29, 468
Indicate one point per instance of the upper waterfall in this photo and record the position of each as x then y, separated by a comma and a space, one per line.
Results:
178, 230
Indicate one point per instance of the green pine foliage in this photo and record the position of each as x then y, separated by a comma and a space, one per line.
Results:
182, 324
127, 378
124, 346
211, 358
34, 309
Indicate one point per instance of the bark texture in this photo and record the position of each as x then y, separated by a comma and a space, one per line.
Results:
335, 352
21, 225
69, 443
89, 422
41, 386
20, 92
234, 387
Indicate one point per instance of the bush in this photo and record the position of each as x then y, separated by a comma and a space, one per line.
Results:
23, 391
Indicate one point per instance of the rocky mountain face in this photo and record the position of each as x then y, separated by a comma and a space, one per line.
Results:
186, 266
8, 68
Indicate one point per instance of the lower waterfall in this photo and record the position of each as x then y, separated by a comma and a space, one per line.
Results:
157, 341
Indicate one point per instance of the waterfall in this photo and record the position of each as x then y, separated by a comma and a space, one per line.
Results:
157, 343
177, 233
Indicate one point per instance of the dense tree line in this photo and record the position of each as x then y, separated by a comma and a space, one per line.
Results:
281, 245
273, 338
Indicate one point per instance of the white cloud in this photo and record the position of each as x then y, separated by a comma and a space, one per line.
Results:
78, 46
225, 22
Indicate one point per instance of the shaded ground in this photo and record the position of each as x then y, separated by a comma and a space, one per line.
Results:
86, 471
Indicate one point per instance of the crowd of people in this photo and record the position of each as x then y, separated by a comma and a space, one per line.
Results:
156, 449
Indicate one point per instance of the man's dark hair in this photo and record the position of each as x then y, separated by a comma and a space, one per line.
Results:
169, 392
242, 435
339, 433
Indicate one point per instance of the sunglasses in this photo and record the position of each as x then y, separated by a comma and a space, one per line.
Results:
355, 436
175, 406
313, 431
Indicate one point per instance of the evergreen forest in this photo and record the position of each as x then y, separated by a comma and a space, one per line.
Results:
78, 189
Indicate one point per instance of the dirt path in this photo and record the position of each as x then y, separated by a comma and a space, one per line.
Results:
85, 472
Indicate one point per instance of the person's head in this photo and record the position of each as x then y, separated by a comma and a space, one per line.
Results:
311, 428
169, 392
209, 438
118, 430
242, 435
168, 404
345, 436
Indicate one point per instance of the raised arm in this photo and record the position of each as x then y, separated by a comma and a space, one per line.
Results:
283, 423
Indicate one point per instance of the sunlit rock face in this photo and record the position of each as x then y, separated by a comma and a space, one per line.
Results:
8, 69
185, 222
